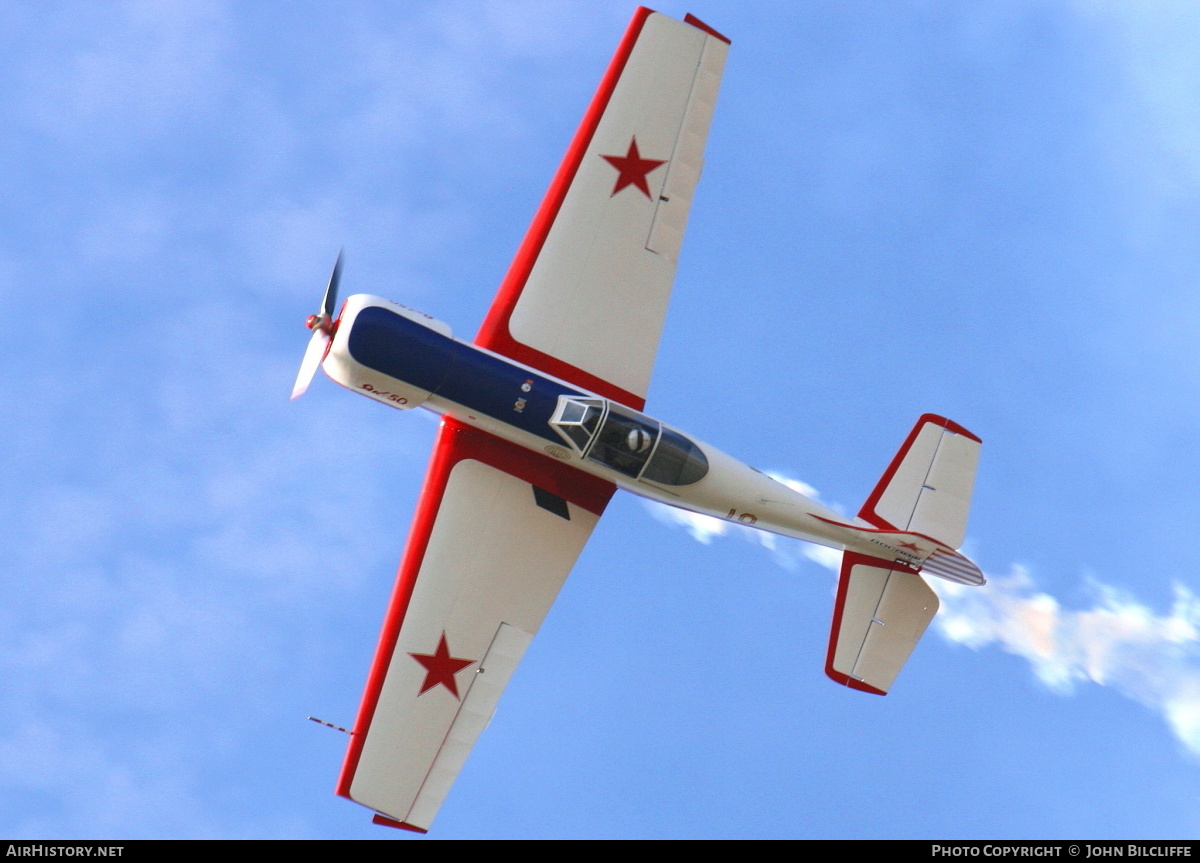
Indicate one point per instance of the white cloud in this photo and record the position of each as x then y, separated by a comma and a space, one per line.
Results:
794, 484
1154, 47
132, 70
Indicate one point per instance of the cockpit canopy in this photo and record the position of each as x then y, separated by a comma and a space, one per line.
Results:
628, 442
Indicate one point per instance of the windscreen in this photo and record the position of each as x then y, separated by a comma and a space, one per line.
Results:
625, 441
676, 461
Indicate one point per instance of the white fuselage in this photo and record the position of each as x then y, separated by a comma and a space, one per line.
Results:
406, 359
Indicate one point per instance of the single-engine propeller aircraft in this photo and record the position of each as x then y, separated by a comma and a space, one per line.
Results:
542, 422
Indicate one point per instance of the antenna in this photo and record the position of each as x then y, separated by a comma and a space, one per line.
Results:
330, 725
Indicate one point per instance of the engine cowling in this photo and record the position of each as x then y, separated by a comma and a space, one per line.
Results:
372, 333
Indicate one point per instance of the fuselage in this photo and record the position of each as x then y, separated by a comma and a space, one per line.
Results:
406, 359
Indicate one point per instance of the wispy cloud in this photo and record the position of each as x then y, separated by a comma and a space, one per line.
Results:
1118, 642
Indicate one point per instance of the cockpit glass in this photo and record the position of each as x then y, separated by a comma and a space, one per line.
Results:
629, 442
572, 412
577, 420
676, 461
625, 440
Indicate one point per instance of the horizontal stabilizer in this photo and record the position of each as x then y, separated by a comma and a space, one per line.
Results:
882, 610
927, 487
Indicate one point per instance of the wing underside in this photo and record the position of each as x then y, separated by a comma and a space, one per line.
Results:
587, 293
497, 531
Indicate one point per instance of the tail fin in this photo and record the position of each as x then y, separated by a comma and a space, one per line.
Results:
927, 487
883, 606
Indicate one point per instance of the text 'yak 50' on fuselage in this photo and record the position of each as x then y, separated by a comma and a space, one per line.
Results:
543, 420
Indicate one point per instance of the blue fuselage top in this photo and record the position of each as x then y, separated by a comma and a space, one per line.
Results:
403, 349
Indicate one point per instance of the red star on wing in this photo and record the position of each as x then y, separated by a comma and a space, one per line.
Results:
632, 169
440, 668
911, 546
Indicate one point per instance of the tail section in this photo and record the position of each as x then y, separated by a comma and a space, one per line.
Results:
955, 567
927, 487
918, 510
882, 610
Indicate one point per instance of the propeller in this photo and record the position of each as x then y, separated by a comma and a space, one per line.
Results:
321, 325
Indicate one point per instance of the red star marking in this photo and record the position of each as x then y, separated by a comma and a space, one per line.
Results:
440, 668
632, 169
911, 546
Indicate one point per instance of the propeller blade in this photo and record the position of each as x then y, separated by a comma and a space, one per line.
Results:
313, 354
331, 292
322, 326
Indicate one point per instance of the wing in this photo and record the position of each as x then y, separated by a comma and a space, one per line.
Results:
496, 532
587, 293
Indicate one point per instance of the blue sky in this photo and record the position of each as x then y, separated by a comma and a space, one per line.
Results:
984, 210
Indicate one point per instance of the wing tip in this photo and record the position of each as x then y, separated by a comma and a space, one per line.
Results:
384, 821
848, 681
948, 425
689, 18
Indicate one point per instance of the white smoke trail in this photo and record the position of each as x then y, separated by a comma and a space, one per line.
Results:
1119, 642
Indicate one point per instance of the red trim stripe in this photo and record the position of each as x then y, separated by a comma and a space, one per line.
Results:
941, 545
494, 334
457, 442
444, 458
384, 821
689, 18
